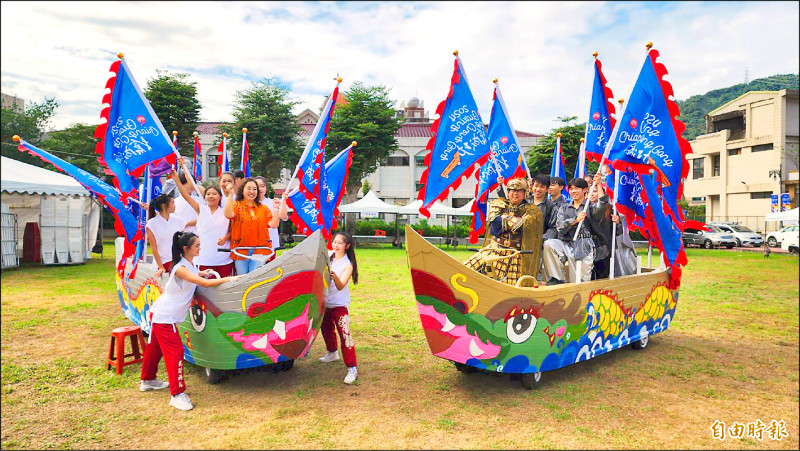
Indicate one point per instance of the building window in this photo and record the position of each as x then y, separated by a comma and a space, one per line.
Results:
396, 161
213, 168
715, 161
418, 186
732, 152
459, 202
698, 168
762, 147
419, 160
761, 195
699, 199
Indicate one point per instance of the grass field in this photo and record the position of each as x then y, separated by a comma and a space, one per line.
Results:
730, 355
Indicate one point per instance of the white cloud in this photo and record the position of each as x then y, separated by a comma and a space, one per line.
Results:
540, 51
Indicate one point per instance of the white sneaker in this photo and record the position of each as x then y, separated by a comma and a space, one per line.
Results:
181, 402
330, 357
352, 374
154, 384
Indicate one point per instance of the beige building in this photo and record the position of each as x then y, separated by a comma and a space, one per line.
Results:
15, 103
749, 153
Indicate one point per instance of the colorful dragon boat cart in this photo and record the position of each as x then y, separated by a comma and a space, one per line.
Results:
479, 323
268, 317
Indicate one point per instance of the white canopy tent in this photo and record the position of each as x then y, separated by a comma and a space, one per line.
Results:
369, 205
787, 215
58, 203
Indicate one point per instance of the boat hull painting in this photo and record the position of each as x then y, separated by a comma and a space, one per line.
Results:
471, 319
270, 315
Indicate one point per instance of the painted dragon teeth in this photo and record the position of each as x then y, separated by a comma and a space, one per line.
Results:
474, 349
280, 329
448, 326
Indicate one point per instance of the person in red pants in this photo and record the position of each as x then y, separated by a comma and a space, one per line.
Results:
167, 312
337, 316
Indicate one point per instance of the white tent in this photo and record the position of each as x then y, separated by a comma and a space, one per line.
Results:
68, 217
788, 215
368, 205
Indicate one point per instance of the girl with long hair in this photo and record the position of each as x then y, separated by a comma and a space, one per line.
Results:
167, 312
250, 223
337, 315
212, 228
160, 229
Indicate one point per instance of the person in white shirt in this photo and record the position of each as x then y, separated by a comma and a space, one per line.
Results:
160, 228
226, 178
212, 228
167, 312
337, 316
274, 207
182, 207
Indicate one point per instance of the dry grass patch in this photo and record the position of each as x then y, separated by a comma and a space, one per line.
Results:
731, 354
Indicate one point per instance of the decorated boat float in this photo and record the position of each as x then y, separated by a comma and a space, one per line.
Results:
268, 317
479, 323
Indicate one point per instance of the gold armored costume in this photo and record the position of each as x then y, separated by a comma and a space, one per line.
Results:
521, 230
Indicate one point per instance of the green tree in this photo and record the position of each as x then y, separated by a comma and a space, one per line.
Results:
174, 100
368, 117
76, 144
540, 157
272, 129
29, 125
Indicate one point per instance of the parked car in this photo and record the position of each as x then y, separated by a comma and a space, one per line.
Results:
791, 244
740, 233
708, 239
775, 239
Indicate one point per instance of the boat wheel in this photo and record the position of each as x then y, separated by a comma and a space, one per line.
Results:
531, 380
464, 368
287, 365
213, 376
641, 343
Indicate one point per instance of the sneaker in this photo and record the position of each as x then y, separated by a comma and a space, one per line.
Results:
329, 357
181, 402
352, 374
154, 384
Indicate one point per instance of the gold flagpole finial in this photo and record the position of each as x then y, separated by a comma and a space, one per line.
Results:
648, 45
339, 80
174, 132
225, 135
455, 53
621, 101
120, 55
583, 140
244, 130
558, 134
494, 81
16, 138
195, 134
595, 54
354, 144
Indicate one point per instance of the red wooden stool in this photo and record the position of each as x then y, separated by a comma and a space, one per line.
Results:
116, 353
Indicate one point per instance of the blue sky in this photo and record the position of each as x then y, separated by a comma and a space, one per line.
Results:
540, 51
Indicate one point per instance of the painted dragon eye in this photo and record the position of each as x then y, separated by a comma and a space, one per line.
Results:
520, 327
198, 315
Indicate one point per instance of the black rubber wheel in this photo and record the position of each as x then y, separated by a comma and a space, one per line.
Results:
772, 242
738, 242
708, 244
213, 376
641, 344
287, 365
464, 368
730, 246
531, 381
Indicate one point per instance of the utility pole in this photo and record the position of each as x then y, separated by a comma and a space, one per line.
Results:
746, 75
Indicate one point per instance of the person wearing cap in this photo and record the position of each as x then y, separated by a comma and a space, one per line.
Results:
513, 224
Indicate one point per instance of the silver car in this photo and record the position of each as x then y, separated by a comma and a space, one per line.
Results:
708, 239
740, 233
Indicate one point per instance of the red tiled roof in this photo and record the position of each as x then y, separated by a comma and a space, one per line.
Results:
209, 128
